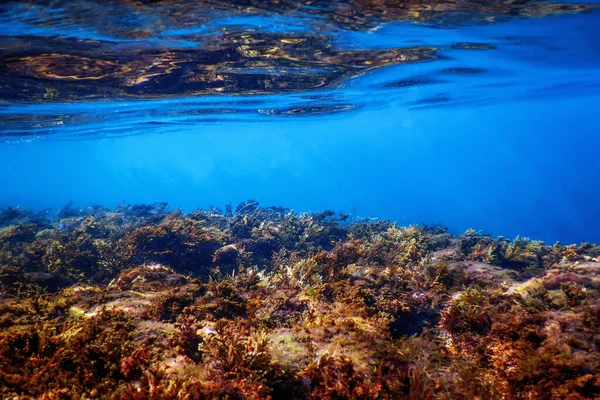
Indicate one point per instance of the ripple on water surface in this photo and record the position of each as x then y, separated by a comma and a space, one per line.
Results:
65, 65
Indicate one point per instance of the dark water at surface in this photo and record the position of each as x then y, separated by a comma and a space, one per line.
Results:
472, 114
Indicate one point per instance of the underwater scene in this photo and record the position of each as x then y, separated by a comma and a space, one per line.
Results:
299, 199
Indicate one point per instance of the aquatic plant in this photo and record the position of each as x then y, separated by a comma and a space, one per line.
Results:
256, 303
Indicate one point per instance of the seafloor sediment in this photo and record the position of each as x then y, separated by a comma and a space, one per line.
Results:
255, 303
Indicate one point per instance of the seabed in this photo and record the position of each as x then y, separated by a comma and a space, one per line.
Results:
251, 302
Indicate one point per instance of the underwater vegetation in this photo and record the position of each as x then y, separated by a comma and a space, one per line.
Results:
251, 302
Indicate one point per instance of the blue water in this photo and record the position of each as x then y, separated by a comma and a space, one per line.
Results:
496, 131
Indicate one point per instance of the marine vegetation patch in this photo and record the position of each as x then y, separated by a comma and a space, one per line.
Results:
257, 302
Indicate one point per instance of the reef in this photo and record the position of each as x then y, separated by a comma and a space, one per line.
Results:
251, 302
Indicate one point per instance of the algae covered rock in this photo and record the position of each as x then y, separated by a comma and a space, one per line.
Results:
256, 303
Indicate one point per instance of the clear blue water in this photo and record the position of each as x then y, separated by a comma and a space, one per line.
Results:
478, 115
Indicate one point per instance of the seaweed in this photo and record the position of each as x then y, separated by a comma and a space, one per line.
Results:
260, 302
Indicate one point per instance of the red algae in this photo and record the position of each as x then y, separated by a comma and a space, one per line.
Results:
263, 303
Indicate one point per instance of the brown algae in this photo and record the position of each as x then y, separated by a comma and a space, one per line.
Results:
256, 303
